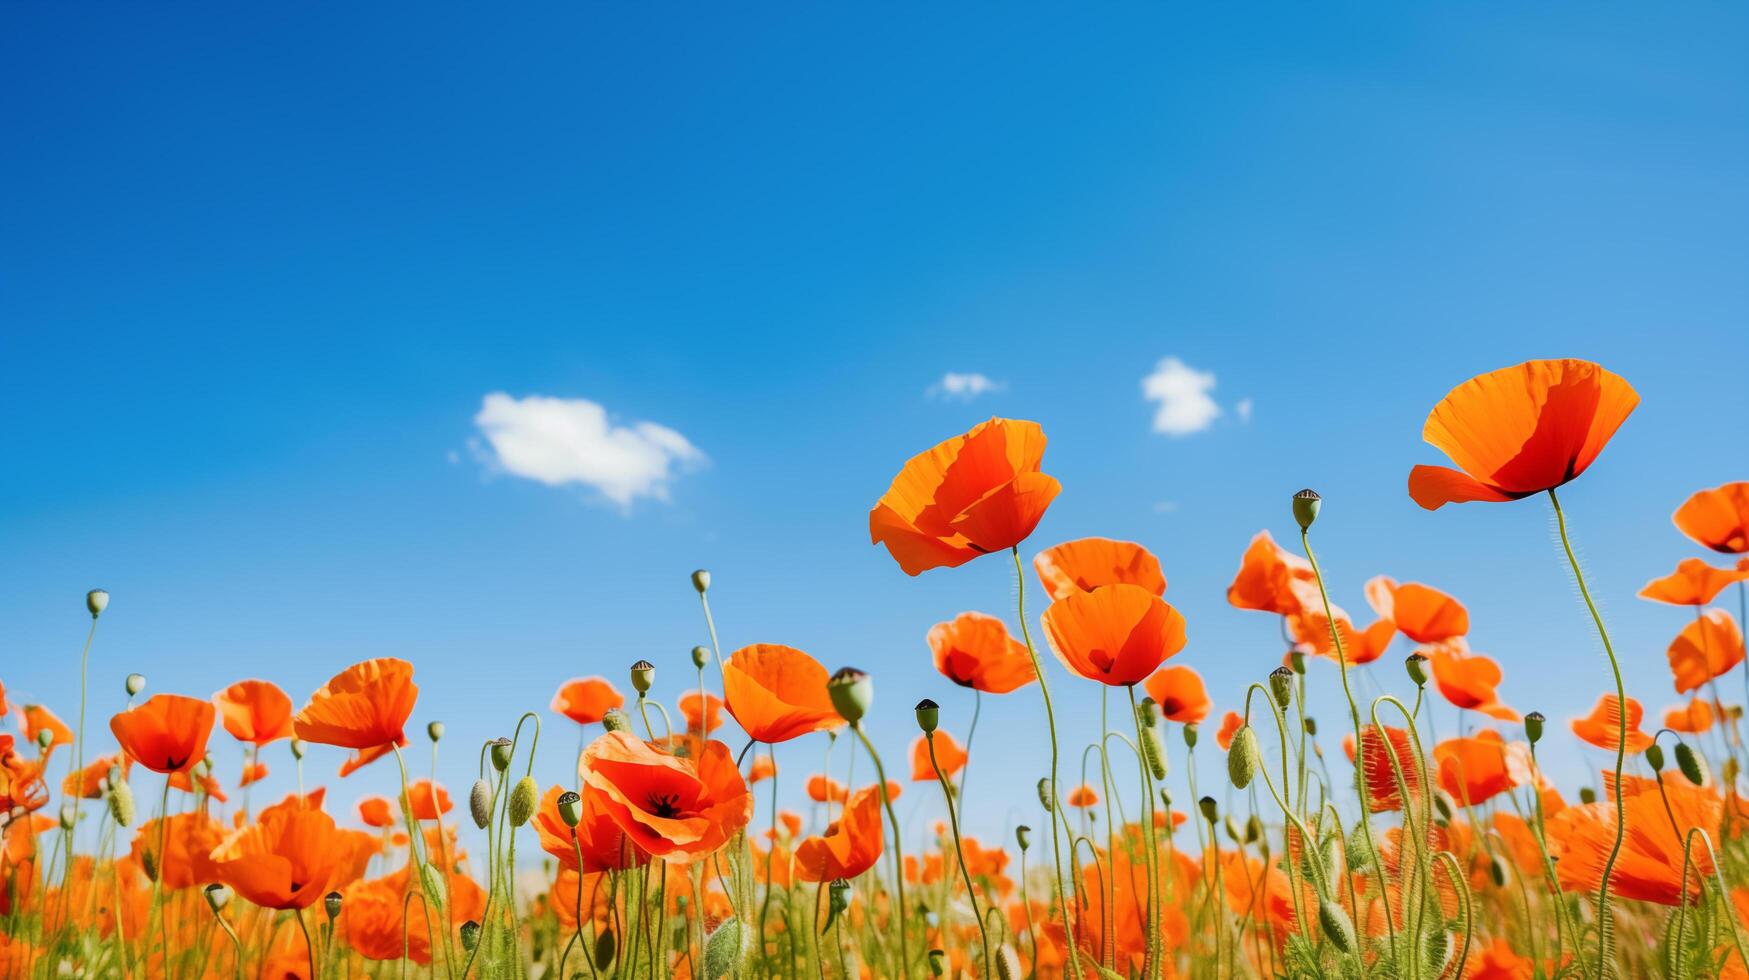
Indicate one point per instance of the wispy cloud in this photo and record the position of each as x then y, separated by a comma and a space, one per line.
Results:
573, 441
1243, 409
963, 386
1186, 405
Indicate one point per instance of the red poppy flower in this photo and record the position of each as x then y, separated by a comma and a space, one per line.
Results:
253, 773
1272, 579
1376, 754
825, 789
168, 733
288, 859
1088, 563
1602, 727
430, 800
1180, 694
1692, 718
1082, 797
974, 650
586, 700
1520, 431
1694, 583
678, 809
1468, 681
1650, 865
365, 706
1477, 769
971, 495
702, 710
87, 783
1717, 518
255, 711
948, 754
188, 839
777, 693
1116, 634
376, 811
1706, 648
849, 847
603, 845
1421, 612
1310, 631
1231, 722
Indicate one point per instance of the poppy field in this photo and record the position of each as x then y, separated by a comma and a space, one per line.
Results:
1367, 845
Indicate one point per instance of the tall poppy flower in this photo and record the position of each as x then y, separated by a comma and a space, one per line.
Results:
430, 800
1421, 612
38, 719
824, 789
1310, 630
1086, 564
1180, 693
702, 710
1694, 583
376, 811
1082, 797
1692, 718
971, 495
1520, 431
604, 847
1273, 579
1116, 634
189, 840
1468, 681
1602, 727
1706, 648
287, 859
1231, 722
255, 711
88, 783
364, 707
949, 754
849, 847
168, 733
674, 808
1717, 518
763, 768
777, 693
586, 700
1477, 769
976, 651
1650, 868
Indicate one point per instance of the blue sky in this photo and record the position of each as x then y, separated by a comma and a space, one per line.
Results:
264, 266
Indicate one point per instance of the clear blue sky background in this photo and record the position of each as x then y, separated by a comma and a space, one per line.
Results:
262, 265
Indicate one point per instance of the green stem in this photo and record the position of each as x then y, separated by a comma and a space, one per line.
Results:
1151, 963
959, 852
898, 848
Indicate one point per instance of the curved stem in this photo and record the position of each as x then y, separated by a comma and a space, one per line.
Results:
898, 848
1462, 887
958, 849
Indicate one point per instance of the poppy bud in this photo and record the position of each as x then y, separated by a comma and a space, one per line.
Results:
701, 580
331, 905
149, 863
523, 799
1360, 853
135, 684
701, 656
928, 716
1444, 806
616, 720
1253, 829
1190, 735
1165, 799
852, 692
470, 936
605, 948
1416, 666
217, 897
434, 731
1655, 756
1533, 726
1007, 963
1306, 504
1312, 727
643, 675
1148, 713
1046, 795
67, 816
96, 601
1208, 808
480, 803
44, 739
570, 808
1587, 795
1154, 752
1242, 757
1693, 766
1281, 685
297, 747
1232, 829
1296, 661
1730, 770
1337, 926
121, 803
1497, 871
937, 962
1023, 836
501, 752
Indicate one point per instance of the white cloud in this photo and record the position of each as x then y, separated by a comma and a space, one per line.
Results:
1183, 394
1243, 409
560, 441
964, 386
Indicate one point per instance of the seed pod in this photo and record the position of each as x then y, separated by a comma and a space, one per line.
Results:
937, 962
701, 656
135, 684
1416, 667
1190, 735
1208, 808
1337, 926
502, 749
470, 936
331, 905
1587, 795
480, 803
1692, 764
1242, 757
1148, 713
1281, 685
1046, 796
435, 731
1533, 726
928, 716
1023, 836
605, 948
570, 808
1007, 963
1497, 871
523, 800
96, 601
121, 803
218, 896
643, 676
616, 720
1306, 504
1360, 851
852, 693
701, 580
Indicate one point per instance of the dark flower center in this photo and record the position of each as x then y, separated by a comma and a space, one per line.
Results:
665, 804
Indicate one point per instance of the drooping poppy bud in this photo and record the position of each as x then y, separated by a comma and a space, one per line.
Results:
1306, 504
1208, 808
1007, 963
937, 962
605, 948
1655, 757
1338, 928
297, 748
616, 720
1312, 726
217, 897
1497, 871
1587, 795
1046, 795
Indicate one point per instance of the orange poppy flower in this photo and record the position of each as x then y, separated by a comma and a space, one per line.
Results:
430, 800
376, 811
850, 846
1468, 681
189, 839
365, 706
183, 780
372, 916
825, 789
1694, 583
1230, 724
287, 859
1706, 648
1692, 718
38, 719
1180, 694
764, 767
1272, 579
603, 845
974, 650
1650, 866
1520, 431
1497, 961
971, 495
1082, 797
1421, 612
586, 700
253, 773
253, 711
1310, 630
1717, 518
948, 753
1375, 755
364, 757
1477, 769
589, 892
167, 733
1602, 727
703, 712
21, 781
1116, 634
777, 693
678, 809
1086, 564
87, 783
